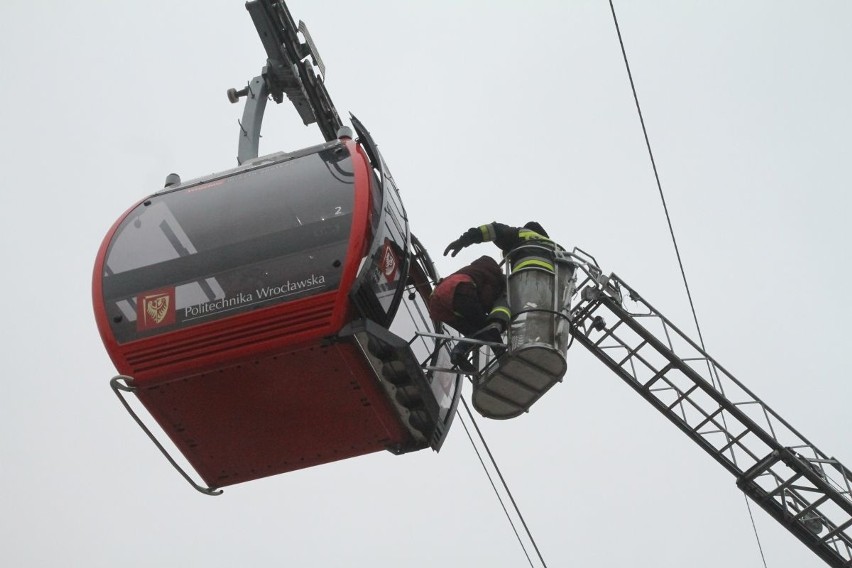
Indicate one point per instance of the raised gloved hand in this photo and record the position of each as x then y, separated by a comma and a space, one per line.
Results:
456, 246
463, 241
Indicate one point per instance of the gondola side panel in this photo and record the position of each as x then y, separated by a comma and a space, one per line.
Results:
225, 268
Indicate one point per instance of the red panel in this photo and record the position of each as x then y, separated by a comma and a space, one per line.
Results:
277, 414
222, 342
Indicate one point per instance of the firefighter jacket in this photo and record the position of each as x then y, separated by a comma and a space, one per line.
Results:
508, 239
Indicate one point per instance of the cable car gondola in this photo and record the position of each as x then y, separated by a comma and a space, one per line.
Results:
269, 317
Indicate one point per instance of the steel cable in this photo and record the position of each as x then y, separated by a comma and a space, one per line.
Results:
671, 229
505, 486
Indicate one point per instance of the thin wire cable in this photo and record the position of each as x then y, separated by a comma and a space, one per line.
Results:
656, 174
671, 230
503, 481
494, 487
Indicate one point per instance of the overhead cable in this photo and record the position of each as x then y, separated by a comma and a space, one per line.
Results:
503, 482
671, 229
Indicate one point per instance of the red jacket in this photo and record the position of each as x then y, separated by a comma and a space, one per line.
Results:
488, 277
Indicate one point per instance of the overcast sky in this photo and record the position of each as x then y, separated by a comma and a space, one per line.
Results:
484, 111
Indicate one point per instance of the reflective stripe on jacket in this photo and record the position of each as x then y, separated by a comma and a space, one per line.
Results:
510, 238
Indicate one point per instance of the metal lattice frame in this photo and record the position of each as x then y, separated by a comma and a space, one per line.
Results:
804, 489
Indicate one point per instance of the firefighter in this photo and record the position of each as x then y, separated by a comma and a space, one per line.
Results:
507, 239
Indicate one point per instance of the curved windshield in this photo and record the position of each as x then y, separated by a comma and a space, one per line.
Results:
258, 237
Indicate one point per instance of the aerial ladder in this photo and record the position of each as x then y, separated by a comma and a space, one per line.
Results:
797, 484
804, 489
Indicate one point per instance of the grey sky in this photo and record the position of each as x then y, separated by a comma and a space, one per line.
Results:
485, 111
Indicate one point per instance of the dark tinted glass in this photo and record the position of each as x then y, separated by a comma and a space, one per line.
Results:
262, 236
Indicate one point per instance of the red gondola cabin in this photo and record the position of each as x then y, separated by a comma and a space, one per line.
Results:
267, 316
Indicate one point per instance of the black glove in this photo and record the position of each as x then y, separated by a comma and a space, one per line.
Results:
458, 244
471, 236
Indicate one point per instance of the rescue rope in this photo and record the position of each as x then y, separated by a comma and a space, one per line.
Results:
503, 481
671, 232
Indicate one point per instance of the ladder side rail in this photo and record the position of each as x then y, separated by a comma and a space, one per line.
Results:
838, 476
721, 373
677, 362
630, 366
682, 395
794, 488
830, 551
655, 401
776, 426
820, 524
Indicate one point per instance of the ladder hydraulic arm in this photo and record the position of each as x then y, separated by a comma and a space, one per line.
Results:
807, 491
